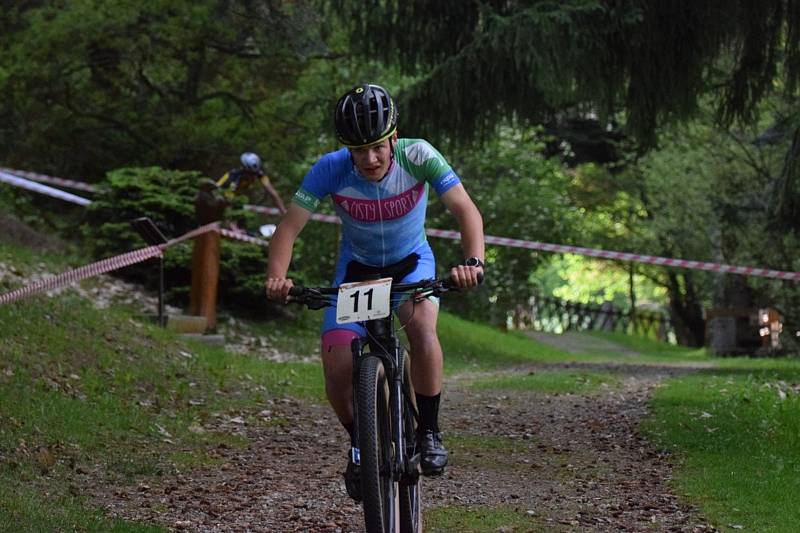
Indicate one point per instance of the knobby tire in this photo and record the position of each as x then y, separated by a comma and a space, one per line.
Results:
410, 498
378, 489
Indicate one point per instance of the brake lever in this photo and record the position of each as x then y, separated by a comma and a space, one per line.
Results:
318, 303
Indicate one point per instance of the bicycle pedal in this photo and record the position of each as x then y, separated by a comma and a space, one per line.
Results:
355, 456
414, 462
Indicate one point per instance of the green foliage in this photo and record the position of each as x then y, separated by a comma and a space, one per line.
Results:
526, 59
583, 279
167, 198
90, 85
164, 196
521, 194
708, 194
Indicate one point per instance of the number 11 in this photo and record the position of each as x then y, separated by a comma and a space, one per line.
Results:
355, 296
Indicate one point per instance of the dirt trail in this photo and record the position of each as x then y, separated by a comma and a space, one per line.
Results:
580, 343
568, 462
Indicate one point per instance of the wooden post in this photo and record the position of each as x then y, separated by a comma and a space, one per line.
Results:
205, 277
209, 207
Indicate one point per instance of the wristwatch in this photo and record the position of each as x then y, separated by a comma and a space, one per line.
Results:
473, 262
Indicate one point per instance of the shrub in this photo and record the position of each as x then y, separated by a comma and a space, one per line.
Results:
167, 198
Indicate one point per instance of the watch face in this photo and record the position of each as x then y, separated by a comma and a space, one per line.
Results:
473, 262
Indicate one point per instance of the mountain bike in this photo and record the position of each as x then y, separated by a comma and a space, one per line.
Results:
384, 406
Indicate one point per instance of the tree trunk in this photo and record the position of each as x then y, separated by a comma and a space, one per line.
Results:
686, 310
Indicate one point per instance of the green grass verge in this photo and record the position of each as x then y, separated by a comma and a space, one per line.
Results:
468, 345
482, 519
736, 432
23, 509
650, 348
551, 381
299, 335
81, 387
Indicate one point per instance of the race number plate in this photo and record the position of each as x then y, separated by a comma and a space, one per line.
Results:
363, 300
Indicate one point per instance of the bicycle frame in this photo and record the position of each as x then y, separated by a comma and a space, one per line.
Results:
403, 471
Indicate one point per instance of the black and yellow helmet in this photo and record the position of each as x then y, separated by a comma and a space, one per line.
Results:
365, 115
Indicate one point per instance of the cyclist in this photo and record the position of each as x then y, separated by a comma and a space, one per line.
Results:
237, 180
378, 184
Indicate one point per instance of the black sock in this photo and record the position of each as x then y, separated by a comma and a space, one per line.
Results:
351, 429
428, 412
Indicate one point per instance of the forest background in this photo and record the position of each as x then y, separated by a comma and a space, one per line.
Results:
662, 128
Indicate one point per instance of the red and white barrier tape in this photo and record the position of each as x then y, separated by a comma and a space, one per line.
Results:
518, 243
591, 252
23, 183
624, 256
119, 261
88, 271
52, 180
244, 237
213, 226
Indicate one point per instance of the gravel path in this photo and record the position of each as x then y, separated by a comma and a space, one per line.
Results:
569, 462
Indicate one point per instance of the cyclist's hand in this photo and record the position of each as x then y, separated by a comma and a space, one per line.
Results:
207, 184
278, 289
465, 277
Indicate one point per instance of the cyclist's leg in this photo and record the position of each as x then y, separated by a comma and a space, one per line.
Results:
337, 360
420, 325
337, 363
426, 352
426, 366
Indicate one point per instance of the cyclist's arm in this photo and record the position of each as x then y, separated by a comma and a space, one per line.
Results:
470, 223
280, 251
274, 195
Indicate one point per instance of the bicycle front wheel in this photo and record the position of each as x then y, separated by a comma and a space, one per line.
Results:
378, 489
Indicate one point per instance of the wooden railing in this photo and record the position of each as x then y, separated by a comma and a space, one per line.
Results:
555, 315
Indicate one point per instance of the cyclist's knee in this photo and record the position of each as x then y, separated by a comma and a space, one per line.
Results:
337, 341
336, 358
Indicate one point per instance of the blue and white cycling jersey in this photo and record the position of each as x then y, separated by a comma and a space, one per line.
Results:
383, 222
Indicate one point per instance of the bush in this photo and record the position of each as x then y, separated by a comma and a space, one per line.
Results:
167, 198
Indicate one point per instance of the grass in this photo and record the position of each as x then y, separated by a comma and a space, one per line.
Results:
737, 435
498, 453
550, 381
470, 346
299, 335
24, 509
81, 387
652, 349
483, 519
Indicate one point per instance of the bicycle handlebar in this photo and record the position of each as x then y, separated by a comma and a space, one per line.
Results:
319, 297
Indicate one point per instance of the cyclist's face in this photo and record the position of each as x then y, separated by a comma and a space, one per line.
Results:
373, 161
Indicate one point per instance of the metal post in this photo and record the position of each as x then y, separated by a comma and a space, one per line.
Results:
153, 236
161, 318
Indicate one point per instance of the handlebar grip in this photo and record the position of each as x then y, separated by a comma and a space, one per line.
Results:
297, 290
448, 283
